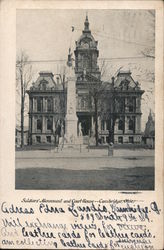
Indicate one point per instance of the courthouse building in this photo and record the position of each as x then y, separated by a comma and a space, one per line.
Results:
119, 109
46, 109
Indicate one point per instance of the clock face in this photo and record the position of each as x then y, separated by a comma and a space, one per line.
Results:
85, 45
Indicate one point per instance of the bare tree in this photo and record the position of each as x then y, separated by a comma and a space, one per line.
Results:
109, 110
61, 78
96, 89
23, 79
150, 51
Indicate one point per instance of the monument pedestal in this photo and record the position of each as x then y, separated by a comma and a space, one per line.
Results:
71, 130
71, 120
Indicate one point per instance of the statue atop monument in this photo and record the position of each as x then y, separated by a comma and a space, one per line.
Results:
71, 117
70, 64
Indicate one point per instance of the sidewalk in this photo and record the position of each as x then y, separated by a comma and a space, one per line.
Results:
94, 160
83, 153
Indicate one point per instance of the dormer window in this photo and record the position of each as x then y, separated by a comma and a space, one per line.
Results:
43, 84
124, 84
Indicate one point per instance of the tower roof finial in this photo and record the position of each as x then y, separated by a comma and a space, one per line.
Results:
86, 24
150, 115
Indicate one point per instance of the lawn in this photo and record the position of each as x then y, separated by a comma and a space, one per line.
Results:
137, 178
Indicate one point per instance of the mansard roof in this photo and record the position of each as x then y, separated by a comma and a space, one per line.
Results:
47, 77
124, 81
45, 82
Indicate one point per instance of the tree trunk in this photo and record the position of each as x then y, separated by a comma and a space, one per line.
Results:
96, 121
113, 125
22, 113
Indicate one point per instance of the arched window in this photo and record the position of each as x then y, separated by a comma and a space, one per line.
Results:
120, 125
39, 124
131, 124
49, 105
49, 123
43, 84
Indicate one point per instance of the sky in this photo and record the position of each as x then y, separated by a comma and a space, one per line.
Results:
122, 35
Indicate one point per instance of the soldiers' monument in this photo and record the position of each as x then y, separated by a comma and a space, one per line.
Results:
71, 117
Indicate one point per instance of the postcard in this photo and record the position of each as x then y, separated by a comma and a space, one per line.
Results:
81, 125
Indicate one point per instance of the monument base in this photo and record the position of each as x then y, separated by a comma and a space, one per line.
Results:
65, 143
73, 141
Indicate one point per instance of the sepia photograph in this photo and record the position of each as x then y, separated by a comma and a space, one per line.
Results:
85, 99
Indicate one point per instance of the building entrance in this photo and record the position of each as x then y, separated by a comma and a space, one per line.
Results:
85, 121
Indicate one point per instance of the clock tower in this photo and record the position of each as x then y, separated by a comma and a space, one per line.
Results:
87, 73
86, 54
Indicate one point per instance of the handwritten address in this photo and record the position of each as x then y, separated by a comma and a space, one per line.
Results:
78, 224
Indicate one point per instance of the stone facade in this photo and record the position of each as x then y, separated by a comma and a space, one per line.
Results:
119, 107
87, 73
123, 120
46, 110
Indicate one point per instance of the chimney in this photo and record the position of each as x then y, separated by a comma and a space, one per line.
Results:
113, 81
57, 80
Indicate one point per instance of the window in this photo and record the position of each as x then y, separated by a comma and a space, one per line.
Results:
48, 139
108, 125
102, 125
86, 61
131, 124
38, 139
120, 104
131, 139
120, 139
131, 104
131, 108
49, 123
82, 103
39, 124
102, 140
39, 104
107, 139
43, 84
120, 125
49, 105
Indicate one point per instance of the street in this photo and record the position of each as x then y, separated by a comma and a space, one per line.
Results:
94, 170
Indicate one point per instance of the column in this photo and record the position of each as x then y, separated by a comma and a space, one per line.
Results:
44, 104
30, 104
92, 125
138, 104
43, 124
126, 124
33, 124
30, 125
138, 124
99, 123
54, 128
34, 105
126, 104
104, 125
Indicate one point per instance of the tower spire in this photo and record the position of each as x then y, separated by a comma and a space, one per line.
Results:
86, 23
150, 115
